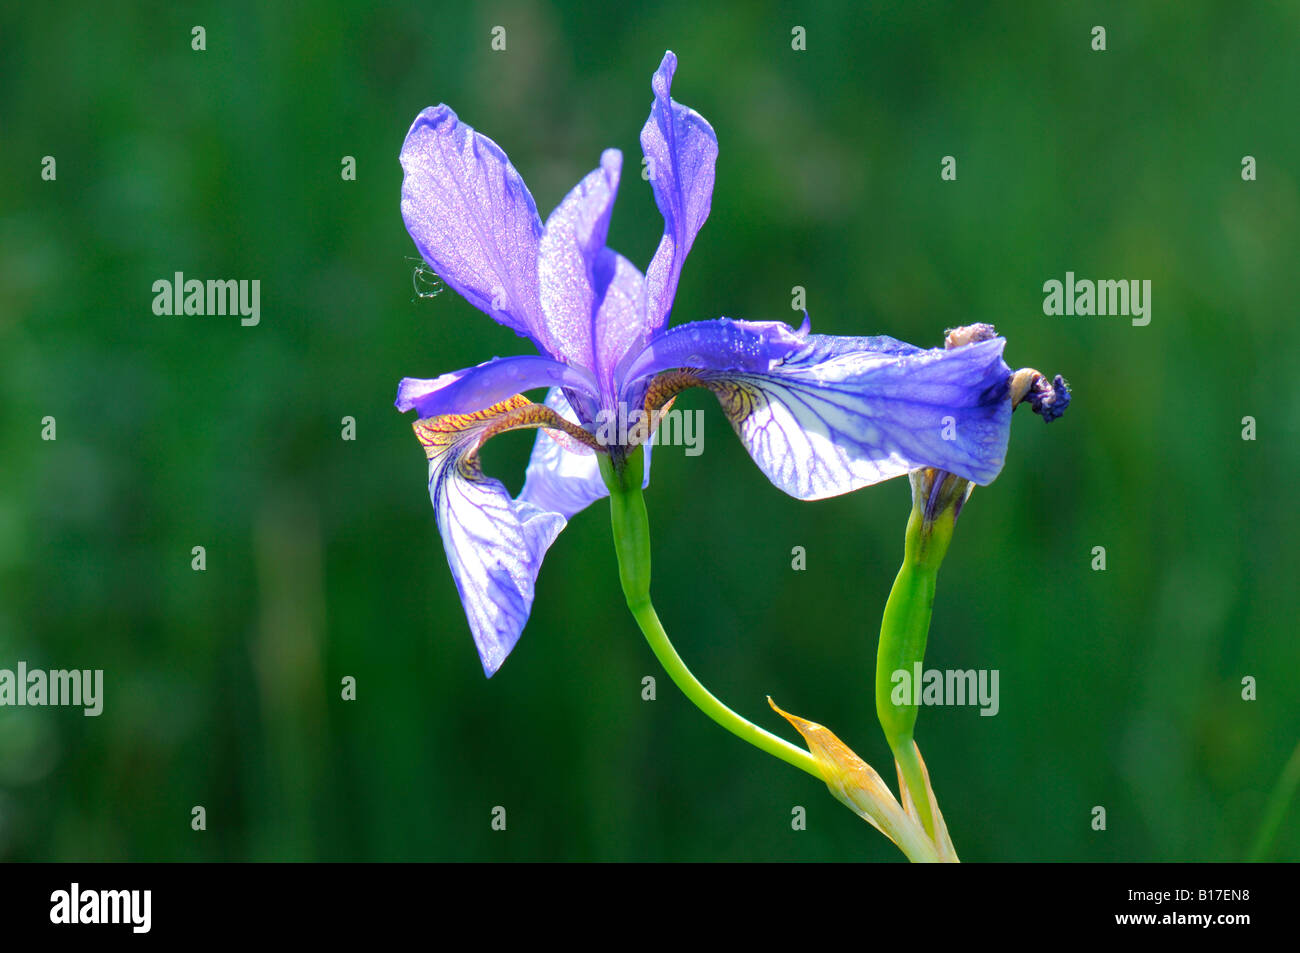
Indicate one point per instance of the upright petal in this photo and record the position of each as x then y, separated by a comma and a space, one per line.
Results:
473, 220
563, 474
474, 388
494, 544
682, 150
570, 249
823, 415
619, 323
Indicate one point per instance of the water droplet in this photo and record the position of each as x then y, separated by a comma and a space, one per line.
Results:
426, 282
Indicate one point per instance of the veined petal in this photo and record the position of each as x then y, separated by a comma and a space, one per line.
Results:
619, 324
473, 220
717, 345
722, 345
474, 388
570, 260
682, 150
823, 415
494, 544
563, 474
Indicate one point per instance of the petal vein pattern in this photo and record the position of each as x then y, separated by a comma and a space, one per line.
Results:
682, 151
494, 544
563, 474
824, 415
474, 220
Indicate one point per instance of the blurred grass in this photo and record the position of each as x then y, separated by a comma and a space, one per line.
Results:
1119, 688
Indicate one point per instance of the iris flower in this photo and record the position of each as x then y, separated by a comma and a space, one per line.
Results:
821, 415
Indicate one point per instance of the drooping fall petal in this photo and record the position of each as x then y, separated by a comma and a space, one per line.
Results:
825, 415
494, 544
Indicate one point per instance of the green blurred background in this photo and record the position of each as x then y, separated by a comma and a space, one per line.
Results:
1119, 688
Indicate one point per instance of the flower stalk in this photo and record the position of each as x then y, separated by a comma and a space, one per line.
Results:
937, 500
632, 545
915, 825
905, 626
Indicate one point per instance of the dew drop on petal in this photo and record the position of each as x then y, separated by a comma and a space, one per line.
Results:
426, 282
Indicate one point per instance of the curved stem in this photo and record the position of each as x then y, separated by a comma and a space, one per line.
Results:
632, 544
691, 687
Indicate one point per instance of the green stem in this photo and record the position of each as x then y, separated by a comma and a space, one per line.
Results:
632, 544
904, 629
740, 727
